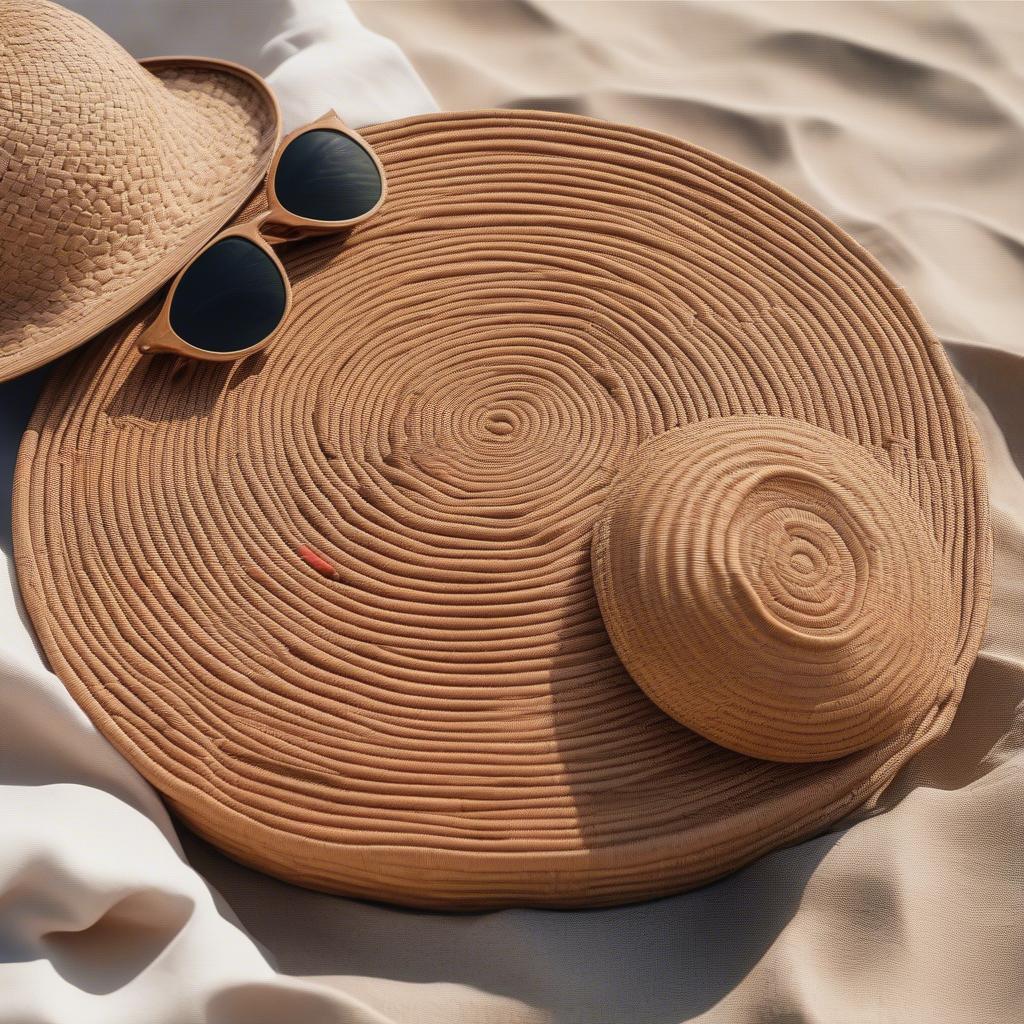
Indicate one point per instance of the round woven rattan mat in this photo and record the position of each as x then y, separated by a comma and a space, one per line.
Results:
336, 601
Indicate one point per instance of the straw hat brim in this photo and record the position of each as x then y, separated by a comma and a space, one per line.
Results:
335, 602
232, 97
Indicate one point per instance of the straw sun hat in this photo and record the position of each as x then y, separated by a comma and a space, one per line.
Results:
111, 173
602, 518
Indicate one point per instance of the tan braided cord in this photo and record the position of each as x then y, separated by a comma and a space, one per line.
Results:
336, 602
111, 174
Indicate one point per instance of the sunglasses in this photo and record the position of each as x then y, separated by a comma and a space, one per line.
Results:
230, 300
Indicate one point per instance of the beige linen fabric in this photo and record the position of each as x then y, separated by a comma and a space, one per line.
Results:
904, 123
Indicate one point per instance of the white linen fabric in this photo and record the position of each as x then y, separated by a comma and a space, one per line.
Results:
906, 124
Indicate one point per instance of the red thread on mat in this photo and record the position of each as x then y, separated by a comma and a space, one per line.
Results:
318, 562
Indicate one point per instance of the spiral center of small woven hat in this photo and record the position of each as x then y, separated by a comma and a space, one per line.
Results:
800, 557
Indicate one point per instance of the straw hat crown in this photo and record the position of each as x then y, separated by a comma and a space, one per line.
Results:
111, 174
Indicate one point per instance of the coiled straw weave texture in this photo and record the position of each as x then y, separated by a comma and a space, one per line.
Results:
336, 602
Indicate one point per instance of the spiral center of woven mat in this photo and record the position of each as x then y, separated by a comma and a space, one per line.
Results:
482, 441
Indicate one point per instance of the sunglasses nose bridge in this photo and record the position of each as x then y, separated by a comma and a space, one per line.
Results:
272, 231
262, 227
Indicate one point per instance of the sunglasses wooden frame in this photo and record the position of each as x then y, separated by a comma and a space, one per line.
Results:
272, 227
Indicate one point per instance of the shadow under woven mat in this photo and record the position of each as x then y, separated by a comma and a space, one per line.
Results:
17, 400
684, 953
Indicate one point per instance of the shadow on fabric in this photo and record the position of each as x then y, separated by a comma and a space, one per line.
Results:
659, 962
17, 400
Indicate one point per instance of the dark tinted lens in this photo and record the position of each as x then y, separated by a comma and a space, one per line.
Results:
324, 175
231, 298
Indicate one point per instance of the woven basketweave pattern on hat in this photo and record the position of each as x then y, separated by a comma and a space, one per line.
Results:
111, 174
336, 602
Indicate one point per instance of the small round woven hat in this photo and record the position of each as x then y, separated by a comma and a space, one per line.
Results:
602, 518
112, 174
